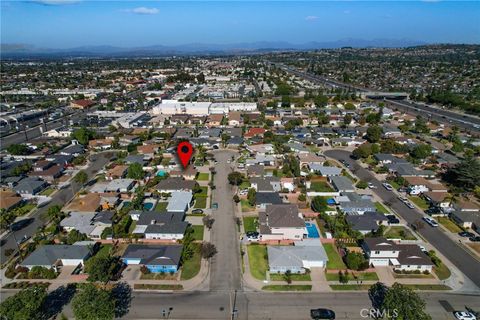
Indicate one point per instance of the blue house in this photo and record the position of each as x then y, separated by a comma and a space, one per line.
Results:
156, 258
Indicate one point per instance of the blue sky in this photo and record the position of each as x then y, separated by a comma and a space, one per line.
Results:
71, 23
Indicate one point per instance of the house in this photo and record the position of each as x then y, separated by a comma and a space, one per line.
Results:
342, 184
135, 158
234, 118
386, 158
215, 120
73, 150
120, 185
117, 172
281, 222
466, 219
180, 201
438, 199
100, 144
263, 199
90, 223
9, 200
175, 184
254, 132
296, 258
157, 259
255, 170
266, 184
287, 184
325, 171
82, 104
403, 257
189, 173
368, 222
161, 225
30, 186
352, 203
416, 185
51, 172
55, 256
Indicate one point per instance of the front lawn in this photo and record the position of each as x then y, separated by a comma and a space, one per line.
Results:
197, 232
142, 286
420, 202
348, 287
399, 232
200, 203
191, 267
320, 186
293, 277
203, 192
365, 276
334, 259
244, 185
381, 208
276, 287
257, 260
250, 224
434, 287
246, 207
203, 176
161, 206
442, 271
47, 191
449, 224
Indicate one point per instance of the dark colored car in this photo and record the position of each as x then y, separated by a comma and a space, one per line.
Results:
392, 219
466, 234
431, 211
474, 239
197, 211
322, 313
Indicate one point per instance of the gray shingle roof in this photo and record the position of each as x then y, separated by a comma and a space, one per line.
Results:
154, 255
49, 254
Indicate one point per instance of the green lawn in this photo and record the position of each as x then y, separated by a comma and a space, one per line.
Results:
26, 208
203, 176
412, 276
246, 207
334, 259
104, 250
366, 276
47, 191
200, 203
161, 206
435, 287
250, 224
132, 226
420, 202
197, 232
449, 224
381, 208
275, 287
293, 276
244, 185
399, 232
142, 286
257, 260
191, 267
442, 272
320, 186
346, 174
342, 287
203, 193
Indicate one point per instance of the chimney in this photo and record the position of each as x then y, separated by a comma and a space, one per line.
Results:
153, 221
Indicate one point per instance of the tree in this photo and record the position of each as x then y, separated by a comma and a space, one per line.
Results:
236, 198
81, 177
288, 276
54, 212
421, 151
74, 236
208, 250
405, 302
347, 119
93, 303
83, 135
18, 149
374, 133
362, 184
26, 304
319, 204
251, 196
420, 126
235, 178
356, 261
102, 268
465, 175
208, 221
135, 171
363, 151
377, 293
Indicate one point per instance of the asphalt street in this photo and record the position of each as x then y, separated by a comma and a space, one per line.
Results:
61, 197
225, 273
462, 259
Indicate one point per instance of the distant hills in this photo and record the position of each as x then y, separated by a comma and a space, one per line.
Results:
25, 50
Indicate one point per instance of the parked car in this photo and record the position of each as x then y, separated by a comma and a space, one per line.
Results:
424, 250
430, 221
322, 313
371, 186
402, 189
214, 205
197, 211
464, 315
253, 236
387, 186
466, 234
409, 204
392, 219
23, 239
432, 210
474, 239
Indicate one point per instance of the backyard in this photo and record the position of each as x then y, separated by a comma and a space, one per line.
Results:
257, 260
334, 259
161, 206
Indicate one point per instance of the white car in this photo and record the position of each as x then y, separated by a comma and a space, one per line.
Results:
430, 221
409, 204
464, 315
387, 186
371, 186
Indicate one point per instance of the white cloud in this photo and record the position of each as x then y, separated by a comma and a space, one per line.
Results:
311, 18
55, 2
143, 10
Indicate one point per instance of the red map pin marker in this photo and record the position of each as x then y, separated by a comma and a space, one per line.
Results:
184, 152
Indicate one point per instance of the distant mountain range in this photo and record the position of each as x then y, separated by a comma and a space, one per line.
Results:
201, 48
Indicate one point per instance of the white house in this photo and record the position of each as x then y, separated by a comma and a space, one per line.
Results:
281, 222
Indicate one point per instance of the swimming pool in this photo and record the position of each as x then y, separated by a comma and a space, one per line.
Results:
148, 206
312, 230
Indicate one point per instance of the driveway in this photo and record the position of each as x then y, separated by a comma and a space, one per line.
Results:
457, 255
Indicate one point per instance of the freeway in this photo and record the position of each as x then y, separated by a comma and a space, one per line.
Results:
468, 122
462, 259
61, 197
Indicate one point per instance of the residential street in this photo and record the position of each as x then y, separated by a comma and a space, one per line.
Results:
59, 198
225, 273
462, 259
